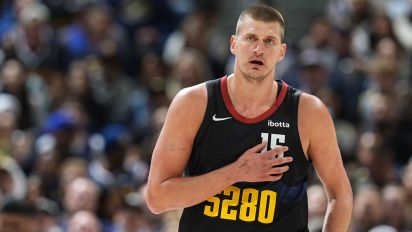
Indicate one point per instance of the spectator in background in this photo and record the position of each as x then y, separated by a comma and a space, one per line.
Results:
157, 120
317, 205
319, 38
313, 75
402, 25
368, 210
8, 12
81, 197
348, 76
35, 189
375, 154
135, 164
9, 114
139, 111
407, 184
47, 215
12, 179
111, 87
109, 202
198, 31
394, 198
150, 22
48, 212
108, 167
7, 17
403, 132
355, 15
33, 40
70, 169
84, 221
81, 194
383, 228
383, 109
81, 127
96, 33
28, 89
130, 217
383, 77
191, 68
45, 166
79, 89
381, 28
16, 215
388, 49
151, 66
60, 126
152, 77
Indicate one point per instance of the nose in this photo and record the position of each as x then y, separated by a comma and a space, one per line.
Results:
258, 48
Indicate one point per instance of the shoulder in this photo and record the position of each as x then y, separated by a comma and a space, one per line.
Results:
183, 118
311, 106
194, 96
188, 106
315, 121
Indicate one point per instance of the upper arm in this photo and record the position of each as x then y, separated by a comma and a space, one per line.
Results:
174, 145
320, 142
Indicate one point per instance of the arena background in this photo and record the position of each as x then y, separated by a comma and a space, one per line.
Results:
85, 86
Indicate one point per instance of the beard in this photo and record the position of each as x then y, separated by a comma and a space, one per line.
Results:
254, 77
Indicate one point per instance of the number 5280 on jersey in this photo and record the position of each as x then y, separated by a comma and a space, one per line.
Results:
244, 204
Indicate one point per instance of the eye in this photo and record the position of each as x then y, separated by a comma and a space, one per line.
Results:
250, 38
269, 41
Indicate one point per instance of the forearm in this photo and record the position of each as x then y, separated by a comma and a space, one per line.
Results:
338, 214
167, 190
183, 192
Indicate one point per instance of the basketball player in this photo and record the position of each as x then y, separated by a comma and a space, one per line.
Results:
244, 143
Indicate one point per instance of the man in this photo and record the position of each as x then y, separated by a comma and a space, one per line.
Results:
84, 220
244, 142
16, 215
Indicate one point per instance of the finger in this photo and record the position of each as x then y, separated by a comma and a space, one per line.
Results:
275, 151
258, 147
278, 150
273, 178
279, 170
280, 161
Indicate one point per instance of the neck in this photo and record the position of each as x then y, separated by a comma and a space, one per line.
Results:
251, 98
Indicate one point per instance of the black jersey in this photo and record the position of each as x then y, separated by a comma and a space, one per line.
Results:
223, 136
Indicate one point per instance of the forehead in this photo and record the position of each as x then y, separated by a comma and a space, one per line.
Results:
249, 25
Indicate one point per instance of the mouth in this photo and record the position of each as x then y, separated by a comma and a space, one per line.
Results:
256, 63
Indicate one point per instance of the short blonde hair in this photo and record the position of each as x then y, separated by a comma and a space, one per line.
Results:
263, 13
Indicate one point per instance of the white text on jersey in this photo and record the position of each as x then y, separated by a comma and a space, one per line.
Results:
278, 124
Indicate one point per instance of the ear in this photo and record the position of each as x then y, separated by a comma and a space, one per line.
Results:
233, 44
282, 52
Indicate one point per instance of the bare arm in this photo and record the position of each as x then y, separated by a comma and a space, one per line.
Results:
317, 128
167, 189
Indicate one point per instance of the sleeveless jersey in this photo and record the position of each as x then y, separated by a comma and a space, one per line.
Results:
224, 135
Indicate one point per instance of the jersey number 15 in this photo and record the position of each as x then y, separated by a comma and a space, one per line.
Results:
275, 140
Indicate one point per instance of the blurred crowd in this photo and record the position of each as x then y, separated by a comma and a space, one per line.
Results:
85, 86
